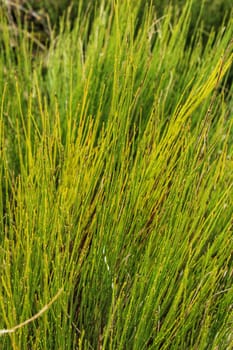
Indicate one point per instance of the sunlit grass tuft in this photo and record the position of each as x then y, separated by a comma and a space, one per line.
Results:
116, 185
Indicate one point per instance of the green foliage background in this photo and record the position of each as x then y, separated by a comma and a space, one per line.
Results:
213, 14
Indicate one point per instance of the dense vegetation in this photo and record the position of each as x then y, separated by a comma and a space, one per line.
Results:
116, 166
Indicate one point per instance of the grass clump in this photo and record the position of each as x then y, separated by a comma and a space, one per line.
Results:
116, 184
